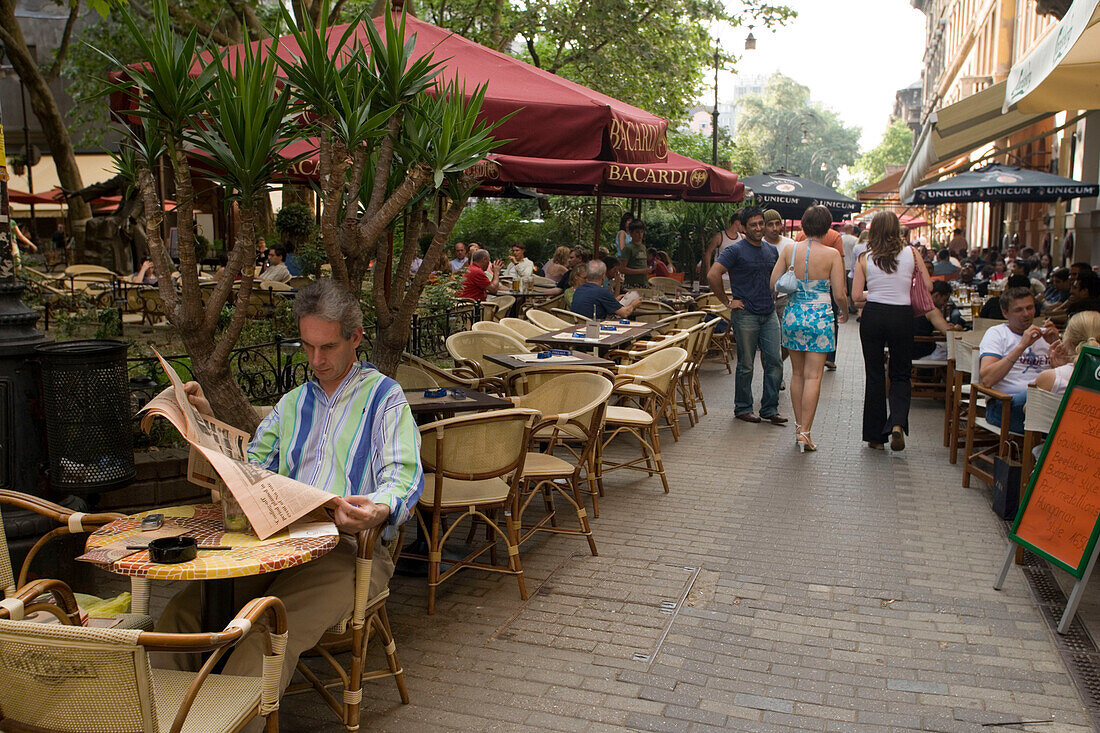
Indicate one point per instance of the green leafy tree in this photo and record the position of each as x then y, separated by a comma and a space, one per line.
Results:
894, 149
789, 130
651, 54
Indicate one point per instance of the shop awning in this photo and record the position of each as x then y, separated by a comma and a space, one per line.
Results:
954, 131
1063, 72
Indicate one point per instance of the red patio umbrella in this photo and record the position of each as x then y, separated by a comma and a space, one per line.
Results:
51, 197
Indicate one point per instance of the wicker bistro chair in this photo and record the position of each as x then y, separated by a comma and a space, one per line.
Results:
657, 373
496, 307
419, 371
473, 466
368, 613
543, 319
568, 316
71, 523
688, 386
497, 327
665, 284
65, 678
468, 349
572, 407
527, 379
557, 301
525, 329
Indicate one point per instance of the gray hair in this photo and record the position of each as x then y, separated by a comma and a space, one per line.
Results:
329, 302
480, 255
596, 271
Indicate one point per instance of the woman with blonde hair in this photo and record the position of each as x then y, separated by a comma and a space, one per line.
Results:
1082, 330
556, 267
882, 279
808, 333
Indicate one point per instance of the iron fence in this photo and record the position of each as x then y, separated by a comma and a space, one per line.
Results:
269, 370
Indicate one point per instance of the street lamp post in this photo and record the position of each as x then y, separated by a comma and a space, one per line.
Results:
820, 155
714, 114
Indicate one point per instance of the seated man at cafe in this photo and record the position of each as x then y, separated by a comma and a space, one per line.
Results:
1058, 290
592, 300
348, 431
276, 266
482, 278
519, 265
1013, 353
968, 278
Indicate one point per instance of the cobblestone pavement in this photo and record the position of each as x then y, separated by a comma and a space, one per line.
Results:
843, 590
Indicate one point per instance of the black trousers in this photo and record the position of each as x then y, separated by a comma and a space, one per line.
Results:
880, 327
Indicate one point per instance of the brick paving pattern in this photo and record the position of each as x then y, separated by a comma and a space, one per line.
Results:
844, 590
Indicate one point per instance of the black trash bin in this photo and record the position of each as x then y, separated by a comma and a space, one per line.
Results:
89, 434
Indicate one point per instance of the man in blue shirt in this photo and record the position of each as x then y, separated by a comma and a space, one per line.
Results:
592, 300
749, 262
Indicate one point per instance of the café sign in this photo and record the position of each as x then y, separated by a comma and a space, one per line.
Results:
638, 142
642, 175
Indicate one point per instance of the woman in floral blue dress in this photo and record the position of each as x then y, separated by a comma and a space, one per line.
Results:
808, 319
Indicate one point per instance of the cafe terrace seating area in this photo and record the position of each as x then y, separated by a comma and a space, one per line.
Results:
522, 432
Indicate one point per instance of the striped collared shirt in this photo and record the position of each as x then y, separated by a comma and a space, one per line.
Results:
361, 441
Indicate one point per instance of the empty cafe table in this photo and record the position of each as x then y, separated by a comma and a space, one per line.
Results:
613, 334
574, 358
454, 401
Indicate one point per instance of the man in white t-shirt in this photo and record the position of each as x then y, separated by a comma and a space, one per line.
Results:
1013, 354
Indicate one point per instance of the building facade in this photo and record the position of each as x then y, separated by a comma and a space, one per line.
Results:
971, 46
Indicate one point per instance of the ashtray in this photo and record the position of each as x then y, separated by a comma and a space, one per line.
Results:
609, 328
625, 321
171, 550
578, 335
441, 392
543, 355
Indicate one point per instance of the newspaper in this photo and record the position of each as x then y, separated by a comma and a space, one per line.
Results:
219, 461
629, 298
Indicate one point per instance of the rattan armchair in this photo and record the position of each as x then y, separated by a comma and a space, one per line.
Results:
525, 329
546, 320
526, 379
70, 523
568, 316
657, 373
472, 468
572, 407
496, 307
66, 678
496, 327
665, 284
421, 370
368, 613
468, 349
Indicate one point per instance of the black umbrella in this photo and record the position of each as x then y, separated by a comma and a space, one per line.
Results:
996, 182
791, 195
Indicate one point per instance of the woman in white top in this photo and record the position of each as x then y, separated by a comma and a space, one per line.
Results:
882, 279
1083, 329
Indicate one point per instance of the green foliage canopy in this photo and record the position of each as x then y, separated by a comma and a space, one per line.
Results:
894, 149
773, 124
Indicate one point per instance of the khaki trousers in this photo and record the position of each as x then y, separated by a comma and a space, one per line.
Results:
317, 596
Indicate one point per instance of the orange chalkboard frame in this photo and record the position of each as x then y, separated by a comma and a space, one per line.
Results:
1059, 515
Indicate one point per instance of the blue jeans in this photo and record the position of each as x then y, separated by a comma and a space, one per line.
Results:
1016, 412
757, 332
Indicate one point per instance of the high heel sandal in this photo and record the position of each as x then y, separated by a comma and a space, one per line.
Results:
804, 442
797, 431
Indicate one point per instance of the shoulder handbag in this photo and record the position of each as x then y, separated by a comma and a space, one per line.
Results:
787, 283
919, 297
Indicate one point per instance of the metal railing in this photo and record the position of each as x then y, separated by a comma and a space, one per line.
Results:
269, 370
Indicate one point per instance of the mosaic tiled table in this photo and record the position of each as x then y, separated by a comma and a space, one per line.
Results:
249, 555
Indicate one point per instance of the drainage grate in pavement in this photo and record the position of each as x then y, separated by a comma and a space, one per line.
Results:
609, 606
1076, 646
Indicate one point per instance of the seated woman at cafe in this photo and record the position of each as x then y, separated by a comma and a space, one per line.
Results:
1082, 330
592, 300
556, 266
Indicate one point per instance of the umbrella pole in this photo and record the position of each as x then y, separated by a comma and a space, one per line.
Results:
599, 224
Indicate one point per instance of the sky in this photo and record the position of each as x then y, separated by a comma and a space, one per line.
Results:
853, 55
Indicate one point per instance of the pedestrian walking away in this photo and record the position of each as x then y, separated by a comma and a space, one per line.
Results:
749, 262
883, 279
808, 333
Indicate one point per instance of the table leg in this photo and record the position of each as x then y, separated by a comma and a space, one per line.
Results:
216, 603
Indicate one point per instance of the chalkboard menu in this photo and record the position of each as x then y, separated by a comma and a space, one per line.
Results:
1059, 516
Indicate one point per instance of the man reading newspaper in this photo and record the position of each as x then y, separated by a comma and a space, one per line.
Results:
348, 431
